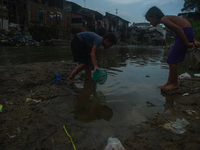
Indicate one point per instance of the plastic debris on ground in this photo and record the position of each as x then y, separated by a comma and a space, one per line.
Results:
1, 107
58, 79
185, 94
114, 144
29, 99
185, 76
197, 74
177, 126
191, 112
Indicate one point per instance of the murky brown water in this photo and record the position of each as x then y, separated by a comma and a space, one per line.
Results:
110, 109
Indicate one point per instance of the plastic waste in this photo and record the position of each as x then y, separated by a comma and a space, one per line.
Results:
58, 79
185, 94
185, 76
114, 144
177, 126
29, 99
1, 107
197, 74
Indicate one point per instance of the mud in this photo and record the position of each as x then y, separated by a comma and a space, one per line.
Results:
31, 102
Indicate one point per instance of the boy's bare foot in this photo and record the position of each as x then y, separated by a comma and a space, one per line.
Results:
171, 87
162, 87
72, 80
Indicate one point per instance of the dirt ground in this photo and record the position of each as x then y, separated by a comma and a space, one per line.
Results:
27, 123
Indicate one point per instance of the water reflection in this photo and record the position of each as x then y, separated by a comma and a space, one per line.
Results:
170, 101
29, 54
135, 55
89, 105
121, 101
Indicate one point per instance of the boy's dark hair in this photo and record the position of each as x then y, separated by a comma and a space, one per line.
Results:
101, 31
111, 37
154, 11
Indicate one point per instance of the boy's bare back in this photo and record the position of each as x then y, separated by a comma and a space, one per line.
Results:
181, 22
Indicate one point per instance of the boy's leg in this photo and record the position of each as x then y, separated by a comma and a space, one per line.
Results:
168, 81
75, 72
88, 71
173, 78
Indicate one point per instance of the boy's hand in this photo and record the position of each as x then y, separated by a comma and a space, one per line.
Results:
190, 45
96, 68
197, 44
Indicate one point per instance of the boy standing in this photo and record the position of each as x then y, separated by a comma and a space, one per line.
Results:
185, 39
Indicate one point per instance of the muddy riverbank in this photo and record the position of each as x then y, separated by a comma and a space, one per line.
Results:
31, 97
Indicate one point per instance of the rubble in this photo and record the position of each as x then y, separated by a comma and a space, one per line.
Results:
16, 37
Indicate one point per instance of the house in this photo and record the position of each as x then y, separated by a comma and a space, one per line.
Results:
4, 15
83, 19
118, 25
134, 33
148, 36
142, 25
161, 30
41, 12
190, 15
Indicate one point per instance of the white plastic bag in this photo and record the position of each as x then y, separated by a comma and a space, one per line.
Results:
184, 76
114, 144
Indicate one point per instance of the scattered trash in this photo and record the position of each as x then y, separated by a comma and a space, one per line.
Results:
184, 76
58, 79
1, 107
190, 112
57, 75
69, 137
177, 126
149, 104
185, 94
8, 103
12, 136
114, 144
197, 74
29, 99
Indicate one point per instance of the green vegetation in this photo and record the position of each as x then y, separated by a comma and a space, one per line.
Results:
191, 5
170, 41
196, 27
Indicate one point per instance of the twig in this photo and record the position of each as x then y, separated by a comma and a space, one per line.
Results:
92, 142
52, 142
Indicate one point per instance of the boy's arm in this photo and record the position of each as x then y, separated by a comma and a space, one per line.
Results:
93, 56
177, 30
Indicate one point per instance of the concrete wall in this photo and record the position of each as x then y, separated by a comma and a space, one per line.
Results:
5, 24
34, 14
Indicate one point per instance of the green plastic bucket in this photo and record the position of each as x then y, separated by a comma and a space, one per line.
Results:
100, 76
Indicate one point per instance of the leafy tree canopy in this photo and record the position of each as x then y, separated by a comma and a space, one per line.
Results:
190, 5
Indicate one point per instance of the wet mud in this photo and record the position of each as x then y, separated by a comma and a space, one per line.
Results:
32, 118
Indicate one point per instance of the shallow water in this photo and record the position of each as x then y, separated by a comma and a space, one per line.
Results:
110, 109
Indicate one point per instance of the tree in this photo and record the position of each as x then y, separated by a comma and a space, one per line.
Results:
190, 5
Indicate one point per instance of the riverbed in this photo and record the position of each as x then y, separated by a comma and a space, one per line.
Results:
35, 108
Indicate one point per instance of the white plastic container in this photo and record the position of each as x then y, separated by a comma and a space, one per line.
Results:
197, 74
